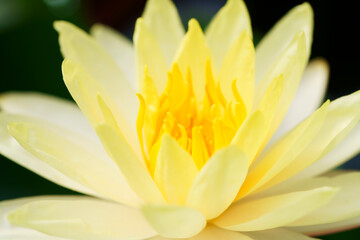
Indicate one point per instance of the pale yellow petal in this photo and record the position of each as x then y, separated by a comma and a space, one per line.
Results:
342, 116
278, 38
227, 25
214, 233
290, 65
86, 91
343, 206
119, 47
283, 153
309, 95
148, 54
239, 64
86, 52
83, 219
24, 234
218, 182
174, 221
74, 156
277, 234
251, 135
164, 22
175, 171
49, 108
11, 149
131, 167
193, 55
275, 211
329, 228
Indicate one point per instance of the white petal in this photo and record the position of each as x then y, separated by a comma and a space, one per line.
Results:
52, 109
310, 94
83, 218
24, 234
117, 46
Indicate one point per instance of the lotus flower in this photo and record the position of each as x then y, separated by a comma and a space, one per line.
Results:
192, 135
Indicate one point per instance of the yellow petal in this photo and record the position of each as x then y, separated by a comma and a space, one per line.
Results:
48, 108
10, 148
117, 46
175, 171
342, 207
218, 182
79, 219
283, 153
164, 22
309, 96
251, 135
274, 211
227, 25
86, 52
277, 234
342, 116
278, 38
131, 167
174, 221
148, 53
239, 64
290, 66
24, 234
193, 54
75, 157
86, 91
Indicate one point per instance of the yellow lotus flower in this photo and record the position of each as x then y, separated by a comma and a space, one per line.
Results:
218, 141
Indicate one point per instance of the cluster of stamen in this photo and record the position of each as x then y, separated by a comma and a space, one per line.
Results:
200, 127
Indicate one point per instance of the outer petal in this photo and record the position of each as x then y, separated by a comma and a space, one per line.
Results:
214, 233
290, 65
91, 97
117, 46
10, 148
175, 171
134, 172
18, 233
83, 218
328, 228
174, 221
343, 115
74, 156
273, 44
218, 182
52, 109
149, 54
275, 211
164, 22
277, 234
283, 153
86, 52
193, 55
226, 27
308, 98
344, 206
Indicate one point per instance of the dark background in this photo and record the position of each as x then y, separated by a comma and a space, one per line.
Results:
30, 58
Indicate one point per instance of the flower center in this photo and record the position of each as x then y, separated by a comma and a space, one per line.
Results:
200, 127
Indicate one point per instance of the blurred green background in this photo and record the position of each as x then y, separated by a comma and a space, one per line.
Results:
30, 57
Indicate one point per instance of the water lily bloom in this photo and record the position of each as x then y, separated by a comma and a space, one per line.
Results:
194, 135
